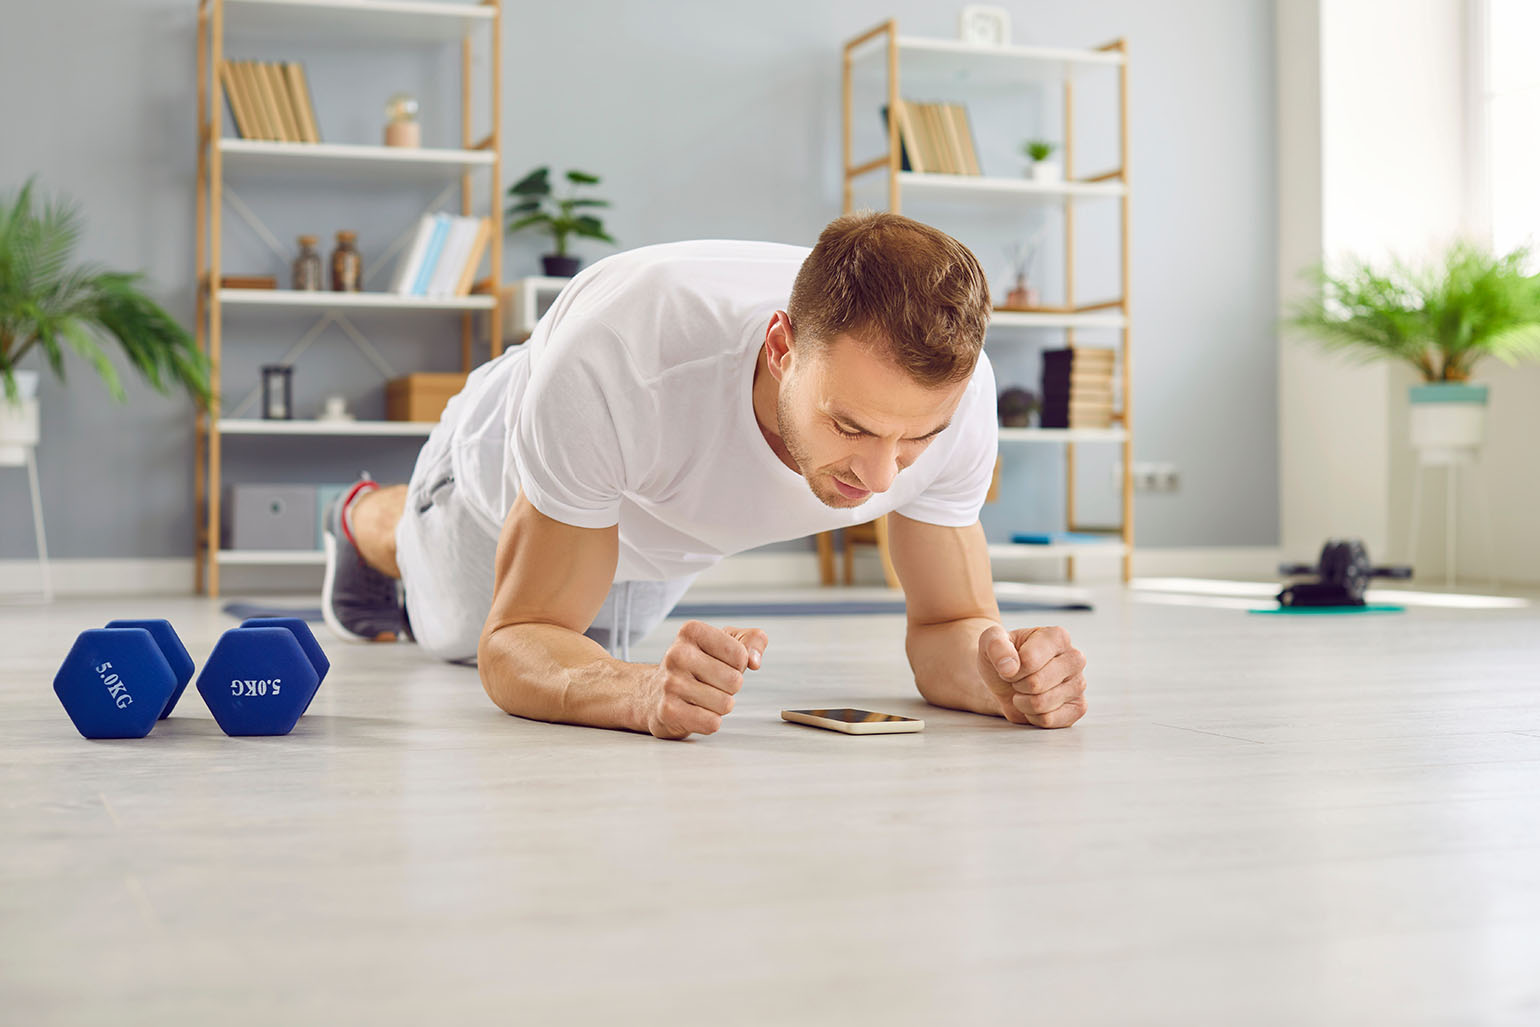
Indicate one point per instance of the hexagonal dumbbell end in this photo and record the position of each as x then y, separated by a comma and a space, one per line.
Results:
257, 681
171, 648
306, 639
114, 682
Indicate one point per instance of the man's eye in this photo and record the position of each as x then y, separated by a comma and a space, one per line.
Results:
849, 434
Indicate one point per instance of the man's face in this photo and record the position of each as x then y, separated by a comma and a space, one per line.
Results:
852, 419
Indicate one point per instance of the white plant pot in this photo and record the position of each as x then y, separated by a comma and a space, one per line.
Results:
19, 421
1046, 171
1448, 422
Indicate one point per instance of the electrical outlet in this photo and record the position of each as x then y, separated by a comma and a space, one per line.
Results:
1149, 477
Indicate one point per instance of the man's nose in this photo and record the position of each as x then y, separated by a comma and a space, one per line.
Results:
877, 466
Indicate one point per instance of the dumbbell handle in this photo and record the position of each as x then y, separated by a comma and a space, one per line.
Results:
1297, 568
1391, 572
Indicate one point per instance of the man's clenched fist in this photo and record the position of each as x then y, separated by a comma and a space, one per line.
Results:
692, 689
1035, 674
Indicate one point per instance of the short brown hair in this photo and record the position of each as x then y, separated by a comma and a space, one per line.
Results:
893, 282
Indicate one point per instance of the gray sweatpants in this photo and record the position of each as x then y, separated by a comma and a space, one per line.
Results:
446, 552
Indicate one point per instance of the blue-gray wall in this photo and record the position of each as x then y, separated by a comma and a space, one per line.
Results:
706, 119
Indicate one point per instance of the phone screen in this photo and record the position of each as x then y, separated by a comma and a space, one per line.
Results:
848, 716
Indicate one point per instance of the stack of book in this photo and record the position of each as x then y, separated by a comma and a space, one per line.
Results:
269, 101
443, 257
1077, 387
935, 138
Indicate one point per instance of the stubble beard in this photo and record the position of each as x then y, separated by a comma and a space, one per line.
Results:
819, 482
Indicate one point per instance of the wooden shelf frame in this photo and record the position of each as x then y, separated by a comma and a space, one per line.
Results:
884, 44
341, 23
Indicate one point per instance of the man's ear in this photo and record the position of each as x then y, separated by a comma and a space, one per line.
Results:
779, 344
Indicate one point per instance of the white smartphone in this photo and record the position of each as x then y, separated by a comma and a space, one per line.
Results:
854, 722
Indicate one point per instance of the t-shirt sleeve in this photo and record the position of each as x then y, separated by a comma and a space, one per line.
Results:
569, 438
954, 498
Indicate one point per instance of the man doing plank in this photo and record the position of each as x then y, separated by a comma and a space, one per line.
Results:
680, 403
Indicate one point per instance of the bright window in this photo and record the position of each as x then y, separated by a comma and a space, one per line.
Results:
1512, 102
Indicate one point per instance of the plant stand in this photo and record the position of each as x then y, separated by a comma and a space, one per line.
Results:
1427, 459
44, 578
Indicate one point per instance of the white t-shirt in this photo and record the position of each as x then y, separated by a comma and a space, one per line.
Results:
631, 404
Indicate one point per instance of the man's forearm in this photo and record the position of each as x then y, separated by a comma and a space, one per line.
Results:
545, 672
945, 659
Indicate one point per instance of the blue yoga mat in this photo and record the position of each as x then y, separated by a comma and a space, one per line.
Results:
716, 611
1324, 610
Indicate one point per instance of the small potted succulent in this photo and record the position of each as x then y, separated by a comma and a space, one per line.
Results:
49, 304
1038, 151
1441, 318
538, 205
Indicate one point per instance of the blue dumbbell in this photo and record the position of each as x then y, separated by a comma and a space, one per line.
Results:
171, 648
262, 676
115, 682
307, 641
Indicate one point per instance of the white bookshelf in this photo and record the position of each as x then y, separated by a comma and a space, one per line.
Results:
933, 185
322, 29
309, 427
328, 300
376, 21
1005, 551
1062, 435
260, 158
890, 68
271, 557
953, 62
1047, 319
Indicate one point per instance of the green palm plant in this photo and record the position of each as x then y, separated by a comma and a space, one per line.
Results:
1440, 317
539, 205
49, 303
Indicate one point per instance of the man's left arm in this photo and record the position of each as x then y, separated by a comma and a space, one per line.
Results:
962, 656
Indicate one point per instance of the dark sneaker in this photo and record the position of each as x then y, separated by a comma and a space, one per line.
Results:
360, 604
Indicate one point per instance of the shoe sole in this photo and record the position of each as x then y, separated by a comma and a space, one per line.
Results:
329, 541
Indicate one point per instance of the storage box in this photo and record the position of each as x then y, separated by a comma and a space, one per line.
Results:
269, 517
421, 397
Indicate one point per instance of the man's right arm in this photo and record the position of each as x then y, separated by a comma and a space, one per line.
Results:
550, 580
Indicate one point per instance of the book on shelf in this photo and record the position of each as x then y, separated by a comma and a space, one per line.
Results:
1078, 387
443, 256
248, 282
965, 135
935, 138
910, 156
269, 101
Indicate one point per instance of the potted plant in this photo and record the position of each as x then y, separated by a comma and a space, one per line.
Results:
49, 304
1038, 151
538, 205
1441, 318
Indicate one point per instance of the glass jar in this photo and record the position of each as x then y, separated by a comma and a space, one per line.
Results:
347, 265
307, 266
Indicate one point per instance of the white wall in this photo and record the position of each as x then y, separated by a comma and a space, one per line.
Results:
1373, 119
705, 119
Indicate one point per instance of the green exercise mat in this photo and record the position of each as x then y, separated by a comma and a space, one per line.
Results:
1320, 610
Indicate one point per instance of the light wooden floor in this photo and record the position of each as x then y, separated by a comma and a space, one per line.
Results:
1263, 821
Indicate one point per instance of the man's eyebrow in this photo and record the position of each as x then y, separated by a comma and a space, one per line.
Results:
847, 422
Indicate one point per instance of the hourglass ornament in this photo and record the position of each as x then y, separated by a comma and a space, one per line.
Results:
401, 127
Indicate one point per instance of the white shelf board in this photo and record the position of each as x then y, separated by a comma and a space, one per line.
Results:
271, 557
249, 158
356, 20
1019, 551
1035, 319
953, 61
328, 300
307, 427
932, 185
1063, 434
